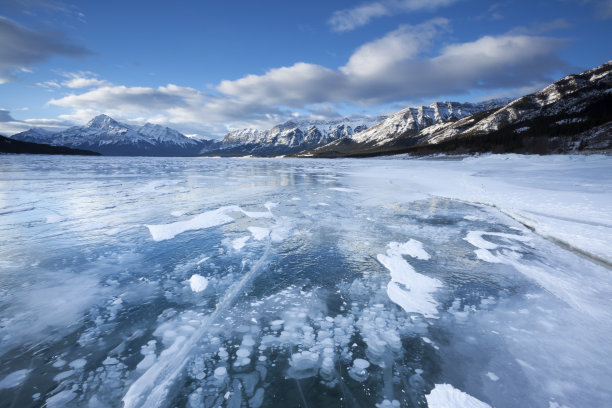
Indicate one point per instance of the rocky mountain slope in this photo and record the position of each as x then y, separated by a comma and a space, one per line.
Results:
105, 135
572, 114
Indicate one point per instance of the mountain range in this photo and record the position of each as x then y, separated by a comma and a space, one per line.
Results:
105, 135
294, 137
572, 114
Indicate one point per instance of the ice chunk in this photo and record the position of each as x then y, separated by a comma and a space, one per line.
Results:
304, 364
239, 243
14, 379
411, 248
492, 376
78, 363
207, 219
220, 373
259, 233
63, 375
358, 371
445, 396
407, 288
396, 404
198, 282
61, 399
206, 258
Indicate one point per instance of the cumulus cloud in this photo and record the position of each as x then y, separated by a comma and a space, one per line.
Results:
352, 18
402, 65
396, 67
405, 43
21, 47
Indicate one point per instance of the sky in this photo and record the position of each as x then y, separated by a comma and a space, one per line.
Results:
208, 67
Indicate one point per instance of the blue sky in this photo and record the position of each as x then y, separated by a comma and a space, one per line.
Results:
204, 67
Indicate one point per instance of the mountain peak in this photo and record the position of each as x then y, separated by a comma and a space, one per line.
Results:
150, 125
101, 122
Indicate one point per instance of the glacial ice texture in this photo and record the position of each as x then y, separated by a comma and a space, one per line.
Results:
188, 282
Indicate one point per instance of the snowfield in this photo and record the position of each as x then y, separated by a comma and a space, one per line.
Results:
396, 282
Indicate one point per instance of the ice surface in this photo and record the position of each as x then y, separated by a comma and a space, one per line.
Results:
490, 274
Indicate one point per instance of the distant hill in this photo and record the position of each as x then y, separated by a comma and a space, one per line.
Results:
8, 145
571, 115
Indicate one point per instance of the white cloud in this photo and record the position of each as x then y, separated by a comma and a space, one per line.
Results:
140, 100
404, 43
294, 86
349, 19
82, 79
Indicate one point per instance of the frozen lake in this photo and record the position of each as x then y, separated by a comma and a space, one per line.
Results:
187, 282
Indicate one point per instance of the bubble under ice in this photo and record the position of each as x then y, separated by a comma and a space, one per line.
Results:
220, 284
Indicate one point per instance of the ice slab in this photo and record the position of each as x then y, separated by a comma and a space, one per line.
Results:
447, 396
207, 219
407, 288
198, 283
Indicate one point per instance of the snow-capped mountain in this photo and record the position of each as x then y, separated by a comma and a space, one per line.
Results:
105, 135
571, 114
410, 121
297, 136
290, 137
